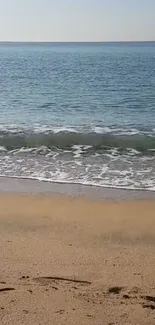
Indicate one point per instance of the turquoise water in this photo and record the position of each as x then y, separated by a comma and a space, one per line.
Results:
78, 113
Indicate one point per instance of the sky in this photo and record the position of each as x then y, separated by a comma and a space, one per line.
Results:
77, 20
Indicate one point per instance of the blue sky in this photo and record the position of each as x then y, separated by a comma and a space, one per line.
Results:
77, 20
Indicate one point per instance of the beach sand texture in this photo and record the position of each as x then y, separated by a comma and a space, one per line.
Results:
68, 260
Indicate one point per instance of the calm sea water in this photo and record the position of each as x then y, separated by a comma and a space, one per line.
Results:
78, 113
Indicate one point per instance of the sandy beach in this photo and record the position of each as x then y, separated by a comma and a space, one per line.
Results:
75, 260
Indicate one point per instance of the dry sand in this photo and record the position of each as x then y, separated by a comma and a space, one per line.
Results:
48, 242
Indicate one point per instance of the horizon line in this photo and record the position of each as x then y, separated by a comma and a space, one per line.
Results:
70, 42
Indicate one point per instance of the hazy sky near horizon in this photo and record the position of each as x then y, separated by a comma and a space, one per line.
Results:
77, 20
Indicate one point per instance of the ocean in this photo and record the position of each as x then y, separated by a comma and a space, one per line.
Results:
80, 113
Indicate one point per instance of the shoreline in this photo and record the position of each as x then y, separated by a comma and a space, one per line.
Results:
29, 186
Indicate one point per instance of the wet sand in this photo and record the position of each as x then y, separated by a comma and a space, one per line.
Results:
75, 260
19, 185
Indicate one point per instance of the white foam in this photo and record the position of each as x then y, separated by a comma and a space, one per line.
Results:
77, 150
110, 169
42, 150
87, 147
101, 130
133, 151
64, 129
148, 186
3, 149
57, 128
104, 169
23, 150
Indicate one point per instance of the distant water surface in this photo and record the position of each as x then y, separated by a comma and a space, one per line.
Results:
78, 113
